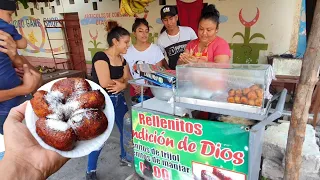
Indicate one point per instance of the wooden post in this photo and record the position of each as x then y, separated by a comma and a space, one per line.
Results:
300, 112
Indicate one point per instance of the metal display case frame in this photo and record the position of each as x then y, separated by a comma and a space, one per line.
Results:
256, 131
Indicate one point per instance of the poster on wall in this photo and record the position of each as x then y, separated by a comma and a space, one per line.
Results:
170, 148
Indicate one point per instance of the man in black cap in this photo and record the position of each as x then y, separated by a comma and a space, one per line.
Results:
173, 40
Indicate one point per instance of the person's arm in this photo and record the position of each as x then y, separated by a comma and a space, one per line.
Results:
30, 84
103, 73
22, 60
120, 84
160, 64
9, 169
222, 53
31, 77
9, 47
225, 59
22, 43
24, 157
184, 57
15, 171
164, 62
187, 55
12, 93
126, 74
159, 57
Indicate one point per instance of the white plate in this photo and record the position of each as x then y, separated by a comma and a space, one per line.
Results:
82, 148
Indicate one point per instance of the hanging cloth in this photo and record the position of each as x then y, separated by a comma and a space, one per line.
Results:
189, 13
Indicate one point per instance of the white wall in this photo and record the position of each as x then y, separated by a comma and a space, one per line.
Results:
275, 22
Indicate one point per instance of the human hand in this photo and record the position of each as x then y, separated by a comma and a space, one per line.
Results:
24, 151
184, 57
30, 79
19, 72
116, 87
9, 46
203, 59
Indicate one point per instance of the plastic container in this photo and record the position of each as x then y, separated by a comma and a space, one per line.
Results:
236, 86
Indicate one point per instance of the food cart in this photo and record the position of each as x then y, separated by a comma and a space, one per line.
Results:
168, 143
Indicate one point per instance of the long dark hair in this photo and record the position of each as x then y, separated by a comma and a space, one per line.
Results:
138, 22
164, 28
210, 12
115, 31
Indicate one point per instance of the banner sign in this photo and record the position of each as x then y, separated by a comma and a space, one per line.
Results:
172, 148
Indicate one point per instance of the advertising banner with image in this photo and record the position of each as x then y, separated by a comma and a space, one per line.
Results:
168, 147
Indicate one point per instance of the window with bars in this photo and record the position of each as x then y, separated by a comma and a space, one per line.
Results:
53, 10
71, 1
58, 2
42, 10
95, 6
31, 11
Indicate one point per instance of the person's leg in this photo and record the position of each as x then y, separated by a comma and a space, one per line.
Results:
118, 120
92, 164
93, 160
120, 110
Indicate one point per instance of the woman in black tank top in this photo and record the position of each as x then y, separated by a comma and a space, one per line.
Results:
111, 72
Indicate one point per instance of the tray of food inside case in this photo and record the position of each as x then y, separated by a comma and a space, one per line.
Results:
237, 87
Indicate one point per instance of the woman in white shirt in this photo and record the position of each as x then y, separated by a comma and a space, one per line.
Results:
142, 52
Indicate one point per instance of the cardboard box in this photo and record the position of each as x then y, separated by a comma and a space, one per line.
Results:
157, 75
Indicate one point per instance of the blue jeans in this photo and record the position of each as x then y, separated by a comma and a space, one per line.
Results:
120, 109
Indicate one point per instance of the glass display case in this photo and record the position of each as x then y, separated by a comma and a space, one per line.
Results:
228, 86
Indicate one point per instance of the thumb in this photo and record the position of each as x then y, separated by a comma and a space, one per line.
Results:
191, 52
26, 68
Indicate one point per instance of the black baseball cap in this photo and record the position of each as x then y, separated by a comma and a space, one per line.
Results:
9, 5
168, 11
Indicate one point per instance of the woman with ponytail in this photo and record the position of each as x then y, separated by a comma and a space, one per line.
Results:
208, 47
111, 71
142, 52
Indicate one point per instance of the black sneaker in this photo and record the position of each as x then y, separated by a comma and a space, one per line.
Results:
91, 176
124, 162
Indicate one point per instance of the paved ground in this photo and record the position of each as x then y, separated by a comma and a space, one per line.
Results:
108, 164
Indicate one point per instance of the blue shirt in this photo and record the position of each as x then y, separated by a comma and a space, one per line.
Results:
8, 76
